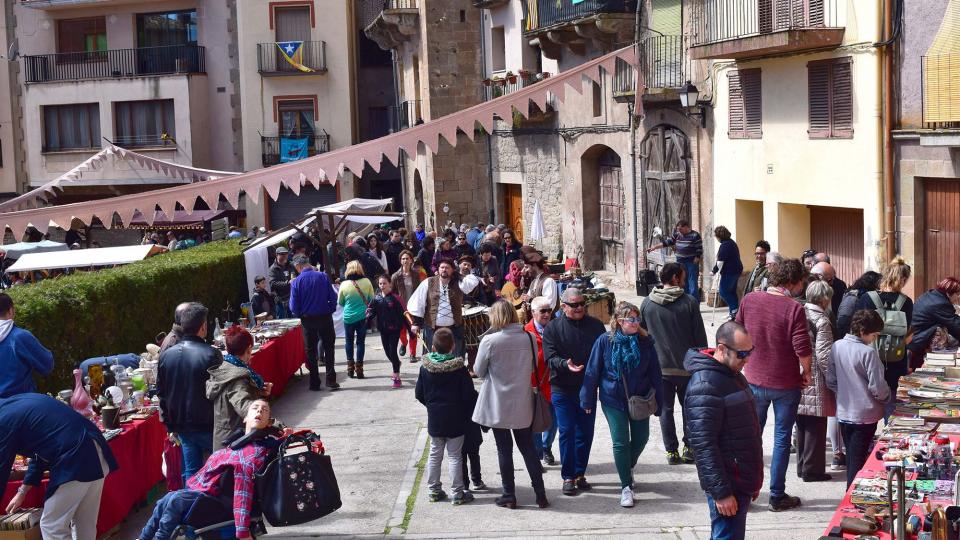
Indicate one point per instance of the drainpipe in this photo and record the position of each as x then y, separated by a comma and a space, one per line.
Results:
401, 161
633, 152
491, 198
886, 92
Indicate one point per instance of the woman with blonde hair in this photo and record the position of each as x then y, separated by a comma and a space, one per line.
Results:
355, 294
505, 362
892, 349
623, 364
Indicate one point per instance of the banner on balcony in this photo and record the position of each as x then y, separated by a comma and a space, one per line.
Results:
327, 168
292, 52
293, 149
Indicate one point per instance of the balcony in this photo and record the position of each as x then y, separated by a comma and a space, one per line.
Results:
743, 29
272, 62
389, 23
114, 64
664, 61
406, 115
941, 90
273, 152
73, 4
552, 25
504, 83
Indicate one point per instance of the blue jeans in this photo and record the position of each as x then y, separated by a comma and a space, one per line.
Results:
692, 286
358, 331
785, 403
576, 434
169, 513
544, 441
729, 528
195, 446
728, 291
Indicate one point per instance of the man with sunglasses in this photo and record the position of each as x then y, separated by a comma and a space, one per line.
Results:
724, 430
567, 342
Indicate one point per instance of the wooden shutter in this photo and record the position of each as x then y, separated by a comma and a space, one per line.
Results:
830, 98
841, 100
735, 111
765, 16
818, 85
815, 14
745, 114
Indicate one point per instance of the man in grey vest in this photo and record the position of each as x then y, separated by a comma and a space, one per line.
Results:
438, 303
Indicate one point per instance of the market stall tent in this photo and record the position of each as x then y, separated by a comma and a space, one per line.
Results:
15, 251
84, 258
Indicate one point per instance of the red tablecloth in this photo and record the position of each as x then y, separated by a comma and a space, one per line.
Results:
280, 358
872, 469
138, 453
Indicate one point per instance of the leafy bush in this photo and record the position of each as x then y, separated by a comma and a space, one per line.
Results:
120, 310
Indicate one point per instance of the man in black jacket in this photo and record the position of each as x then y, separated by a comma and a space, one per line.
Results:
182, 375
567, 342
724, 430
394, 247
281, 274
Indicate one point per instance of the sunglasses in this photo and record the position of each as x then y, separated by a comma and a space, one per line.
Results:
741, 355
631, 320
545, 310
575, 305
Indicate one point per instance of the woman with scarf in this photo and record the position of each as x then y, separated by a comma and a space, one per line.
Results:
234, 385
623, 363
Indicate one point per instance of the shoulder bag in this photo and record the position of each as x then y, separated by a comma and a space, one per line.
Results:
639, 407
542, 417
298, 485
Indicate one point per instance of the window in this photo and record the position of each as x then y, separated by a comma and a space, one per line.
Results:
745, 111
144, 123
830, 85
597, 99
165, 29
498, 49
82, 35
296, 119
70, 127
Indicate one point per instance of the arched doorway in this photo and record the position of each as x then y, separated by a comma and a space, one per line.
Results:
666, 175
418, 198
603, 209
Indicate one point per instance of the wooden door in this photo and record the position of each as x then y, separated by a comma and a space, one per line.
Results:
292, 24
838, 232
513, 209
611, 211
666, 177
941, 230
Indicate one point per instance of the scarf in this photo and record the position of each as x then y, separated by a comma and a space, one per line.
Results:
438, 358
515, 274
626, 353
257, 379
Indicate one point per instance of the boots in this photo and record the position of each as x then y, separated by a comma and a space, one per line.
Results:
350, 368
359, 370
332, 381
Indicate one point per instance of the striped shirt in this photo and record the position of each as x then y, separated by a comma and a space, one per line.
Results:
687, 246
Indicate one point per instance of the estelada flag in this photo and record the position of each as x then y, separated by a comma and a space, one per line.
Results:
292, 52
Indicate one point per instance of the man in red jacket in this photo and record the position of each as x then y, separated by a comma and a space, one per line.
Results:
542, 314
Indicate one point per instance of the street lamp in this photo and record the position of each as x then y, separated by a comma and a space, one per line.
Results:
689, 94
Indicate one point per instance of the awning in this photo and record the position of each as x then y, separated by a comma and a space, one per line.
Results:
85, 258
15, 251
329, 166
342, 210
179, 219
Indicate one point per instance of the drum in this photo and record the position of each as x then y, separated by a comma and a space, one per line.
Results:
475, 323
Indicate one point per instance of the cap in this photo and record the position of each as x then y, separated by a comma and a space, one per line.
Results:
282, 250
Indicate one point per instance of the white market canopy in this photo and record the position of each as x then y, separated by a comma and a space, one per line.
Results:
15, 251
84, 258
365, 211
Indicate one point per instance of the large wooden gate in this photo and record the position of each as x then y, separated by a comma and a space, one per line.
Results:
666, 175
838, 232
941, 231
513, 208
611, 211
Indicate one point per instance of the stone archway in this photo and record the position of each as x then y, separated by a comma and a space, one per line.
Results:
604, 204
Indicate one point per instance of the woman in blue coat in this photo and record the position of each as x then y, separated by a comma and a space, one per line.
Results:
623, 362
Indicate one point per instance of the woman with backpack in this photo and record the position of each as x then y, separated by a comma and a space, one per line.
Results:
896, 310
869, 281
354, 295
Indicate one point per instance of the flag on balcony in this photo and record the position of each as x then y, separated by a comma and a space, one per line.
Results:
293, 149
292, 52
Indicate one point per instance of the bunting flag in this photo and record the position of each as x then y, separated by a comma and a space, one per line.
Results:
328, 167
292, 52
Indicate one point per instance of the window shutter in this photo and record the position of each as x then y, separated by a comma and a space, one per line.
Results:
818, 84
841, 99
815, 16
752, 103
765, 16
735, 114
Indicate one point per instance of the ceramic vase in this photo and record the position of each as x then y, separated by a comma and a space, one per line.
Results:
80, 401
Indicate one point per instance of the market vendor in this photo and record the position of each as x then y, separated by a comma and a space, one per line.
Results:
20, 354
59, 440
261, 301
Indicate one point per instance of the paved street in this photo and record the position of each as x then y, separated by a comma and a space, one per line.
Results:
376, 437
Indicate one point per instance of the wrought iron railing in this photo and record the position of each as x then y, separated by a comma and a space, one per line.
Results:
271, 60
723, 20
941, 90
406, 115
546, 13
502, 84
664, 66
141, 141
271, 147
371, 9
114, 63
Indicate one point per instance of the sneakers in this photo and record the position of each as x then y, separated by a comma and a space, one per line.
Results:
548, 458
786, 502
687, 455
396, 382
839, 462
583, 485
479, 486
438, 496
462, 498
673, 458
626, 497
403, 350
569, 488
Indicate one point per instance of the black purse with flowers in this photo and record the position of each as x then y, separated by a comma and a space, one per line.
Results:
299, 484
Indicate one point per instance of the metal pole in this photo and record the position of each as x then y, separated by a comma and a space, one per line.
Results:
633, 152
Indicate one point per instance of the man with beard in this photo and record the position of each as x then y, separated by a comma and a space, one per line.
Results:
438, 303
541, 284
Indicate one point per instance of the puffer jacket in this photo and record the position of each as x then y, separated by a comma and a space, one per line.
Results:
447, 392
722, 427
231, 390
931, 311
817, 399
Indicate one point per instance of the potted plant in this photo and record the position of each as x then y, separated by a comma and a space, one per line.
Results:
511, 77
486, 82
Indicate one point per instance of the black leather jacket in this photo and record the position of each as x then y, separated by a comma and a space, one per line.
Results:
280, 277
181, 384
722, 427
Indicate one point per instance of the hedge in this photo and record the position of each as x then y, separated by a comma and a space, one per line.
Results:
120, 310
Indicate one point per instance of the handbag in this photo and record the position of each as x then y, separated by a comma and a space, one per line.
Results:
298, 485
542, 417
639, 407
